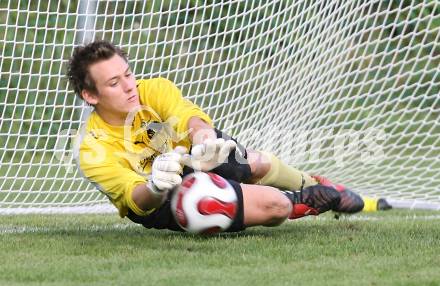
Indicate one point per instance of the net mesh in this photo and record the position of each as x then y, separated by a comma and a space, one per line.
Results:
346, 89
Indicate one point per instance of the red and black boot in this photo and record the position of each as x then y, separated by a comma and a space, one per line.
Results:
350, 201
313, 200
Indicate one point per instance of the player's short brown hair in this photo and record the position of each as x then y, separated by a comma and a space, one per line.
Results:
84, 56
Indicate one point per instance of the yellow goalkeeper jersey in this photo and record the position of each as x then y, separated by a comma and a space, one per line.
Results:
117, 158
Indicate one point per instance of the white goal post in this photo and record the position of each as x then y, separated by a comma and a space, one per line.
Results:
345, 89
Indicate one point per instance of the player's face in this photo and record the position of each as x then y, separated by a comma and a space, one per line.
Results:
116, 86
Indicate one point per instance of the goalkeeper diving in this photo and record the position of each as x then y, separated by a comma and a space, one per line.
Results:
143, 137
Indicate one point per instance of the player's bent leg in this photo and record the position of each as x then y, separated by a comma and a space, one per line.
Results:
268, 206
267, 169
263, 168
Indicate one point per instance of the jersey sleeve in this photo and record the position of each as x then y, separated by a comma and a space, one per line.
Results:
102, 168
166, 99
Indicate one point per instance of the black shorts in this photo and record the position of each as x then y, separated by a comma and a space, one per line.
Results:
235, 170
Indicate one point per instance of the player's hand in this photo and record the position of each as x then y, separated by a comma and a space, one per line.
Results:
209, 155
166, 170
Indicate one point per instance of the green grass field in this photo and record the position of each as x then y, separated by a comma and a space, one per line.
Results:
390, 248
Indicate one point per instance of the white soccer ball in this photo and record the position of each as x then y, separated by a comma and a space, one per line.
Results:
204, 203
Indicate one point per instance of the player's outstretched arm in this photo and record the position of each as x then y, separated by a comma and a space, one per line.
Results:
200, 131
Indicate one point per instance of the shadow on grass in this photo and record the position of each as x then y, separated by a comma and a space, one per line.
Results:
301, 231
297, 229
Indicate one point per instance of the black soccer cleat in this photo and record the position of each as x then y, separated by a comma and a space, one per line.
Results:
313, 200
350, 201
383, 205
321, 198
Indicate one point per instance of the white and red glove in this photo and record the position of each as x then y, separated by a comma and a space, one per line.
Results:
209, 154
166, 170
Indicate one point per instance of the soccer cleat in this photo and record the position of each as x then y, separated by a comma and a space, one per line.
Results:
301, 210
350, 201
313, 200
383, 205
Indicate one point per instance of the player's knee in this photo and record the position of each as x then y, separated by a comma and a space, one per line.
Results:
277, 209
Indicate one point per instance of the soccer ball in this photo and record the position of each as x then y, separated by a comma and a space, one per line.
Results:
204, 203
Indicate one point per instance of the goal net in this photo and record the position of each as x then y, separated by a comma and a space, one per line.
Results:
345, 89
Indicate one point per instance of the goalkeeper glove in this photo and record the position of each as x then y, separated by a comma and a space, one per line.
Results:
209, 155
166, 170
